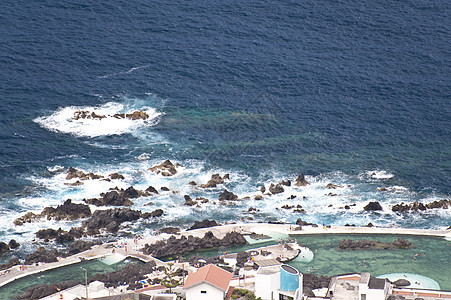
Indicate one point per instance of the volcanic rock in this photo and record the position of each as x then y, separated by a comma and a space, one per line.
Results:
4, 247
401, 282
170, 230
204, 224
127, 275
347, 244
189, 201
418, 206
373, 206
67, 211
156, 213
332, 186
174, 246
401, 243
241, 258
303, 223
300, 180
12, 262
214, 181
276, 188
13, 244
285, 182
74, 173
137, 115
151, 189
110, 219
27, 218
312, 281
258, 197
226, 195
166, 168
80, 246
116, 176
44, 290
42, 255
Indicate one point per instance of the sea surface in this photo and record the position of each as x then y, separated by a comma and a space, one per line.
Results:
353, 93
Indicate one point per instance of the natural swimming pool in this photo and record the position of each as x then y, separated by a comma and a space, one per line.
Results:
428, 256
71, 272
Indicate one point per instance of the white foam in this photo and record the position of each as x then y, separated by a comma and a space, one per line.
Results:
379, 174
62, 120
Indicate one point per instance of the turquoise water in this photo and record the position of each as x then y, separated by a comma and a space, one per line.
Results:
72, 272
432, 260
416, 281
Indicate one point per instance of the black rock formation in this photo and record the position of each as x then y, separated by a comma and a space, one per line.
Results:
174, 246
226, 195
373, 206
204, 224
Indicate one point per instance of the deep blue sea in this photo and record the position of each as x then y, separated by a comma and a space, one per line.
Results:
354, 93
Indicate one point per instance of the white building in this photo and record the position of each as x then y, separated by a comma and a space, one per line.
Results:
274, 281
359, 287
208, 283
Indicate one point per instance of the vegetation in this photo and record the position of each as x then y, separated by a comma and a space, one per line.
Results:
242, 294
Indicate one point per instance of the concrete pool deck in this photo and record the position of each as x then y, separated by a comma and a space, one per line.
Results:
133, 246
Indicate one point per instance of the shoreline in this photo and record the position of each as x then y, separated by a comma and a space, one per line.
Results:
219, 231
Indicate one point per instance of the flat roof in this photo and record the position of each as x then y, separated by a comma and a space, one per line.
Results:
376, 283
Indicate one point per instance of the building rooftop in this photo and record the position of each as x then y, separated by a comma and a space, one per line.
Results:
268, 270
211, 274
376, 283
346, 290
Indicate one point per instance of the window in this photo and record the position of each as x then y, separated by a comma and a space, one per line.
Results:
285, 297
363, 296
203, 292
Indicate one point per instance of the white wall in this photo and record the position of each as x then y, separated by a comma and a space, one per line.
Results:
374, 294
213, 293
265, 284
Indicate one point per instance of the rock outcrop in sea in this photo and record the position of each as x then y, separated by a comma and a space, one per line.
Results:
67, 211
166, 168
418, 206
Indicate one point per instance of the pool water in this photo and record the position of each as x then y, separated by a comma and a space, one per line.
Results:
71, 272
428, 256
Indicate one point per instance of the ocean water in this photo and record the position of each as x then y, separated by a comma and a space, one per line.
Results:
352, 93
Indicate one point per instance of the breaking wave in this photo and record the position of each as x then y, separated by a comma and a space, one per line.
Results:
64, 120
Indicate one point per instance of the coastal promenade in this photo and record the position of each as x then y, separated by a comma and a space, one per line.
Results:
130, 247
